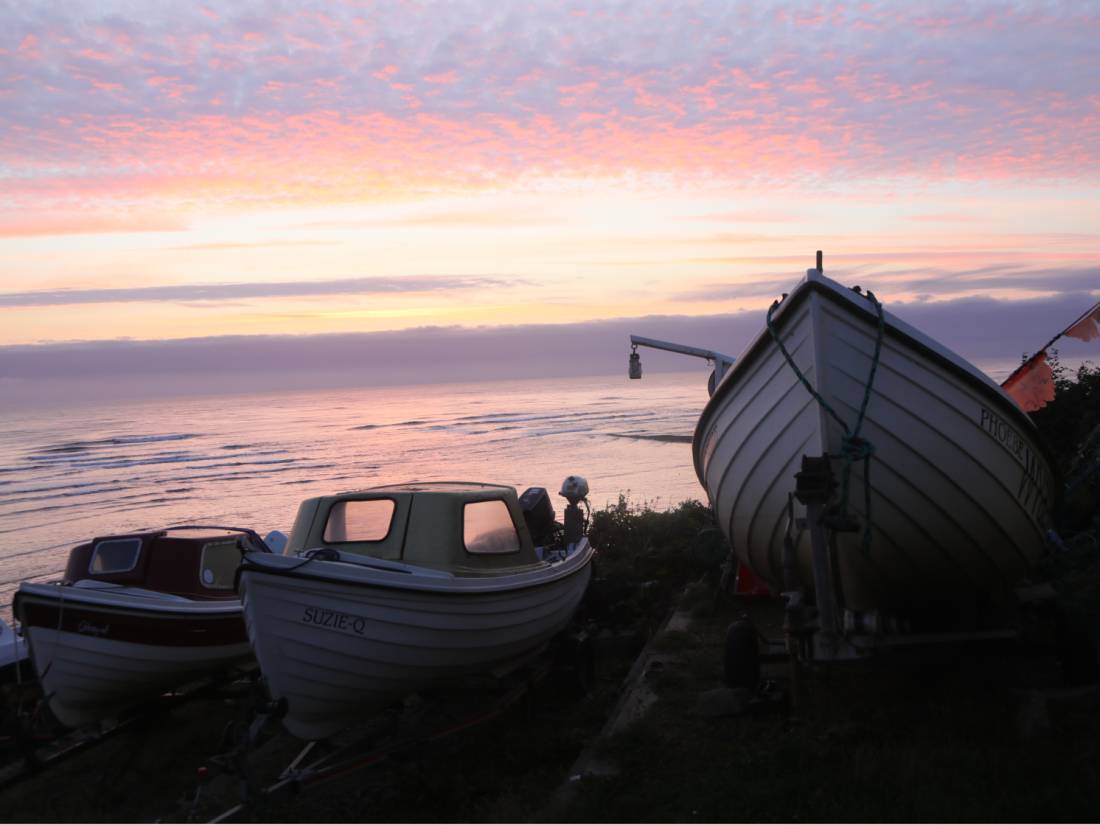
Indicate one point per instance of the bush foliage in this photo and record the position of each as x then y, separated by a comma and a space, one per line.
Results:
637, 542
1070, 425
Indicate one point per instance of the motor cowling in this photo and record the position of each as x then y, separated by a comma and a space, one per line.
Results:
538, 513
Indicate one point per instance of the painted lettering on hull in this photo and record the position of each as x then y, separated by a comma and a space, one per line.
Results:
93, 629
335, 620
1035, 488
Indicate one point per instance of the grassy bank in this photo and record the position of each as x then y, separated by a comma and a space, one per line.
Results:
949, 734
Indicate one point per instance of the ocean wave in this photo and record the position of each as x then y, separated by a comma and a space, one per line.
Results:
4, 502
72, 485
669, 438
174, 457
483, 416
114, 441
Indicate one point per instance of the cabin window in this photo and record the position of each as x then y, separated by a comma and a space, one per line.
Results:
487, 527
115, 556
218, 564
368, 520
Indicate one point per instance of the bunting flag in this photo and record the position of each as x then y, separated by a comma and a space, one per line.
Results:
1032, 385
1088, 328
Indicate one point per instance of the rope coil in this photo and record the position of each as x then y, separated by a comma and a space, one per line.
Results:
853, 447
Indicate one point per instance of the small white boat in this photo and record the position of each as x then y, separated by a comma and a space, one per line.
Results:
136, 615
390, 590
959, 487
13, 654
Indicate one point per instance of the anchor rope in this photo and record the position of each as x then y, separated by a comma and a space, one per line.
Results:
853, 447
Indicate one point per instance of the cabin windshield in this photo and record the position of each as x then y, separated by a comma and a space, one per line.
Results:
487, 528
219, 563
115, 556
368, 520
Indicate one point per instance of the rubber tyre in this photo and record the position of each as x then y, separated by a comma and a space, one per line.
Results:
741, 663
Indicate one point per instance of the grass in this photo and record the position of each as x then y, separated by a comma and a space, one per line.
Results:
918, 737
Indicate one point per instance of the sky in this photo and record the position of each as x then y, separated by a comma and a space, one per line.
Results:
411, 180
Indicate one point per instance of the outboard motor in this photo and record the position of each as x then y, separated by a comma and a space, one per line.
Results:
538, 512
574, 489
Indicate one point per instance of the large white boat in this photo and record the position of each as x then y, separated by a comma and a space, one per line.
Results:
390, 590
936, 488
136, 615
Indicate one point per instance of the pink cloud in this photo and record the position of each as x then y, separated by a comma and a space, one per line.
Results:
443, 78
93, 54
32, 226
201, 102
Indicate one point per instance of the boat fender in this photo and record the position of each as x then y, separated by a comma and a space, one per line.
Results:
277, 541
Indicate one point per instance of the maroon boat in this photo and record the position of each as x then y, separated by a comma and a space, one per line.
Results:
136, 615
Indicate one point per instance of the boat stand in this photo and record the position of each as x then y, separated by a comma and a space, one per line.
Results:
815, 633
825, 632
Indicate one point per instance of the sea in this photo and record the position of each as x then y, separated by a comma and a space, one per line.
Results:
72, 473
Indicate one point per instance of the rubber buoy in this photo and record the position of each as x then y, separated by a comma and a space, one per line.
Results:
741, 664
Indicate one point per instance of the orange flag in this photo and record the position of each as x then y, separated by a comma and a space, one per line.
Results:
1087, 328
1032, 386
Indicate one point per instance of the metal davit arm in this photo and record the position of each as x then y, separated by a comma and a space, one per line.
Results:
721, 361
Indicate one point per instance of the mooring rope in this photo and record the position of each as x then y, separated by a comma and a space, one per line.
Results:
853, 447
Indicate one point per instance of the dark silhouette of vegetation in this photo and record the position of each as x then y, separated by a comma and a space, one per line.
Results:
646, 557
680, 544
1070, 425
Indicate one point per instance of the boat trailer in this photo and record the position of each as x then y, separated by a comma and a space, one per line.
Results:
37, 742
401, 729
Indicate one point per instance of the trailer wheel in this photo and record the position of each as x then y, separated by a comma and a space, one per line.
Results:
741, 664
1076, 651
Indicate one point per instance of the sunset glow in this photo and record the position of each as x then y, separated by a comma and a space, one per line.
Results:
183, 171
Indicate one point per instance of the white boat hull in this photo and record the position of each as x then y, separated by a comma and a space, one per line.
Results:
339, 641
96, 654
960, 486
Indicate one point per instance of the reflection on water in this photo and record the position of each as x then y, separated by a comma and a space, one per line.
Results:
70, 475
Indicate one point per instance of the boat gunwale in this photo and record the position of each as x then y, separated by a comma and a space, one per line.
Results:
66, 594
893, 327
431, 585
